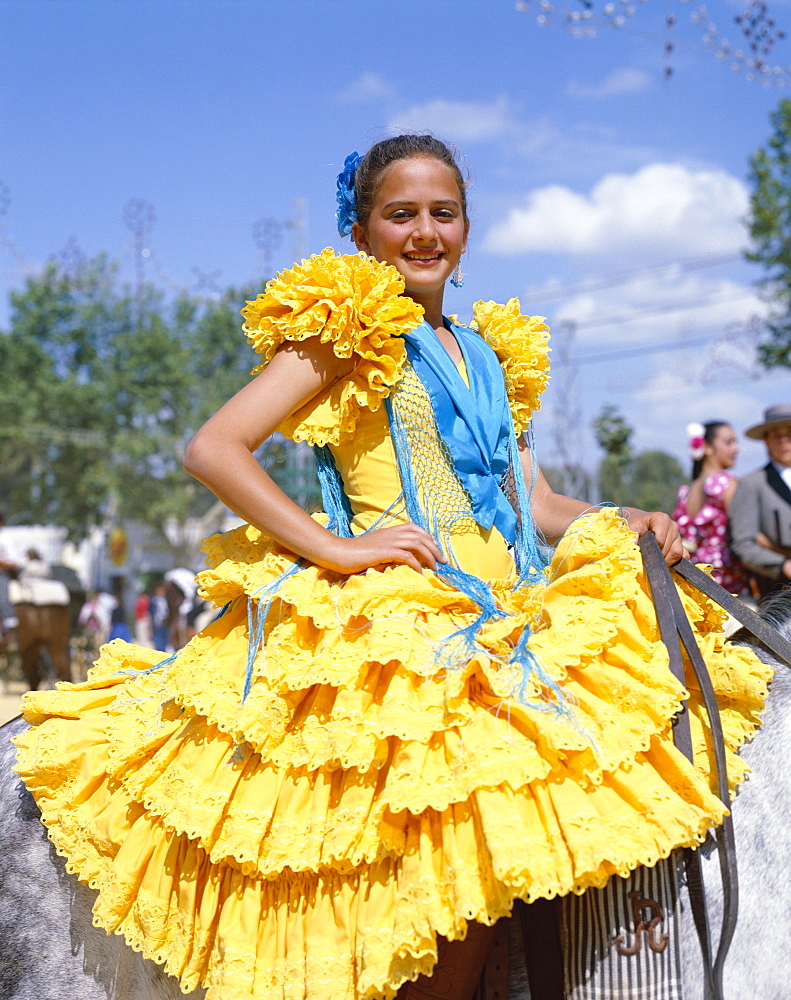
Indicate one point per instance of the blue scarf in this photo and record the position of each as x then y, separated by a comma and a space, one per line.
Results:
475, 424
473, 421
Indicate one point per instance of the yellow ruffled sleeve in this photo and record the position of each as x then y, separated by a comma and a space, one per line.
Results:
356, 304
521, 345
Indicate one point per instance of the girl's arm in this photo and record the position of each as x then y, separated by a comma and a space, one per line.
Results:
221, 457
554, 512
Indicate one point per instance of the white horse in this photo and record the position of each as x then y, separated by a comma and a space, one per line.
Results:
50, 950
759, 960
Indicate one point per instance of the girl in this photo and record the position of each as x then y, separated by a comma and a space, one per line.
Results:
405, 719
702, 507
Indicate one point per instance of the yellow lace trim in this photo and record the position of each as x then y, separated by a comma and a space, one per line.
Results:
364, 650
313, 840
353, 302
520, 343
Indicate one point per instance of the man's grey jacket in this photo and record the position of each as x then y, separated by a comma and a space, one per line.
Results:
761, 503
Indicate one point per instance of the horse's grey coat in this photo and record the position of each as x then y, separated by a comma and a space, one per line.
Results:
759, 961
49, 949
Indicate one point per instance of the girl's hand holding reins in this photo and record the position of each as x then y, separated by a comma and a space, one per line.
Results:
664, 528
400, 543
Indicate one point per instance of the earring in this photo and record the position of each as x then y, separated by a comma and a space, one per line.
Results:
457, 278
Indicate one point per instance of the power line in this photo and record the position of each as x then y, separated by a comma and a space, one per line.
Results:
653, 310
55, 435
624, 279
627, 352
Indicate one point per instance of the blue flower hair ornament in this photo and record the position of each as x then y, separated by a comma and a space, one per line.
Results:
346, 213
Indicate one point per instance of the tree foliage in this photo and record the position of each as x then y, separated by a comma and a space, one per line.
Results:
648, 480
100, 392
613, 435
770, 231
654, 479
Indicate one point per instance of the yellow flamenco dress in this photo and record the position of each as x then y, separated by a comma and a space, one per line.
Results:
340, 769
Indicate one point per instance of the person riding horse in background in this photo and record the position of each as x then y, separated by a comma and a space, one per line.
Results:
8, 569
35, 566
761, 509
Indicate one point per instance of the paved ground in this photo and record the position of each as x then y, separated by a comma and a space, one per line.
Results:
12, 687
10, 698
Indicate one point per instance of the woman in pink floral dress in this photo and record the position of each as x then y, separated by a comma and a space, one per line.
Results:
702, 506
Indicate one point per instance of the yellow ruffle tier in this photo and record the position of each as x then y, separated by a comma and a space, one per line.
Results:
521, 345
313, 841
353, 302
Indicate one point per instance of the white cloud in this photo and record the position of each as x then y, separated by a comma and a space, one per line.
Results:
469, 121
549, 148
667, 307
705, 370
620, 81
665, 406
367, 87
662, 210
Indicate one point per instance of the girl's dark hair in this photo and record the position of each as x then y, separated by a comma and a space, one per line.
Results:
400, 147
709, 433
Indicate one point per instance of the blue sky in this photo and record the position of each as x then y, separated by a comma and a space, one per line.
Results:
603, 194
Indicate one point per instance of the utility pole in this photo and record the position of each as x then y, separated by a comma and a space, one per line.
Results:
140, 218
567, 412
298, 223
268, 234
7, 239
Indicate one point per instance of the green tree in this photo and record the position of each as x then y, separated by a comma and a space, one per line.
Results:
582, 487
648, 480
613, 436
100, 392
654, 478
769, 225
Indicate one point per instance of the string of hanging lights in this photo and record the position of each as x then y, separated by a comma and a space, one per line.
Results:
750, 51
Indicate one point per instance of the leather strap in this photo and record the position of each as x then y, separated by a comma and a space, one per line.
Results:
667, 597
765, 634
661, 586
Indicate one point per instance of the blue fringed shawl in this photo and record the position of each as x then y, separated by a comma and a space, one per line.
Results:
475, 430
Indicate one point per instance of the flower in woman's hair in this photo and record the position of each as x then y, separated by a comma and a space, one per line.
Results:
697, 441
346, 213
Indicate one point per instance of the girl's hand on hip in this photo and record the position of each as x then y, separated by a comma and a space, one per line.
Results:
400, 543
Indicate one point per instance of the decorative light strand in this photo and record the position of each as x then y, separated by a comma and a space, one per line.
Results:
750, 56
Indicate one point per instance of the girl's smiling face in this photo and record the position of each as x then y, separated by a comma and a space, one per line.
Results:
417, 224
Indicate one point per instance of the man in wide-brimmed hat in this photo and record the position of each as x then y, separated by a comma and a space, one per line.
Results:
760, 512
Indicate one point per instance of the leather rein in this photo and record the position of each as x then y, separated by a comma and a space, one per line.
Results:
677, 635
